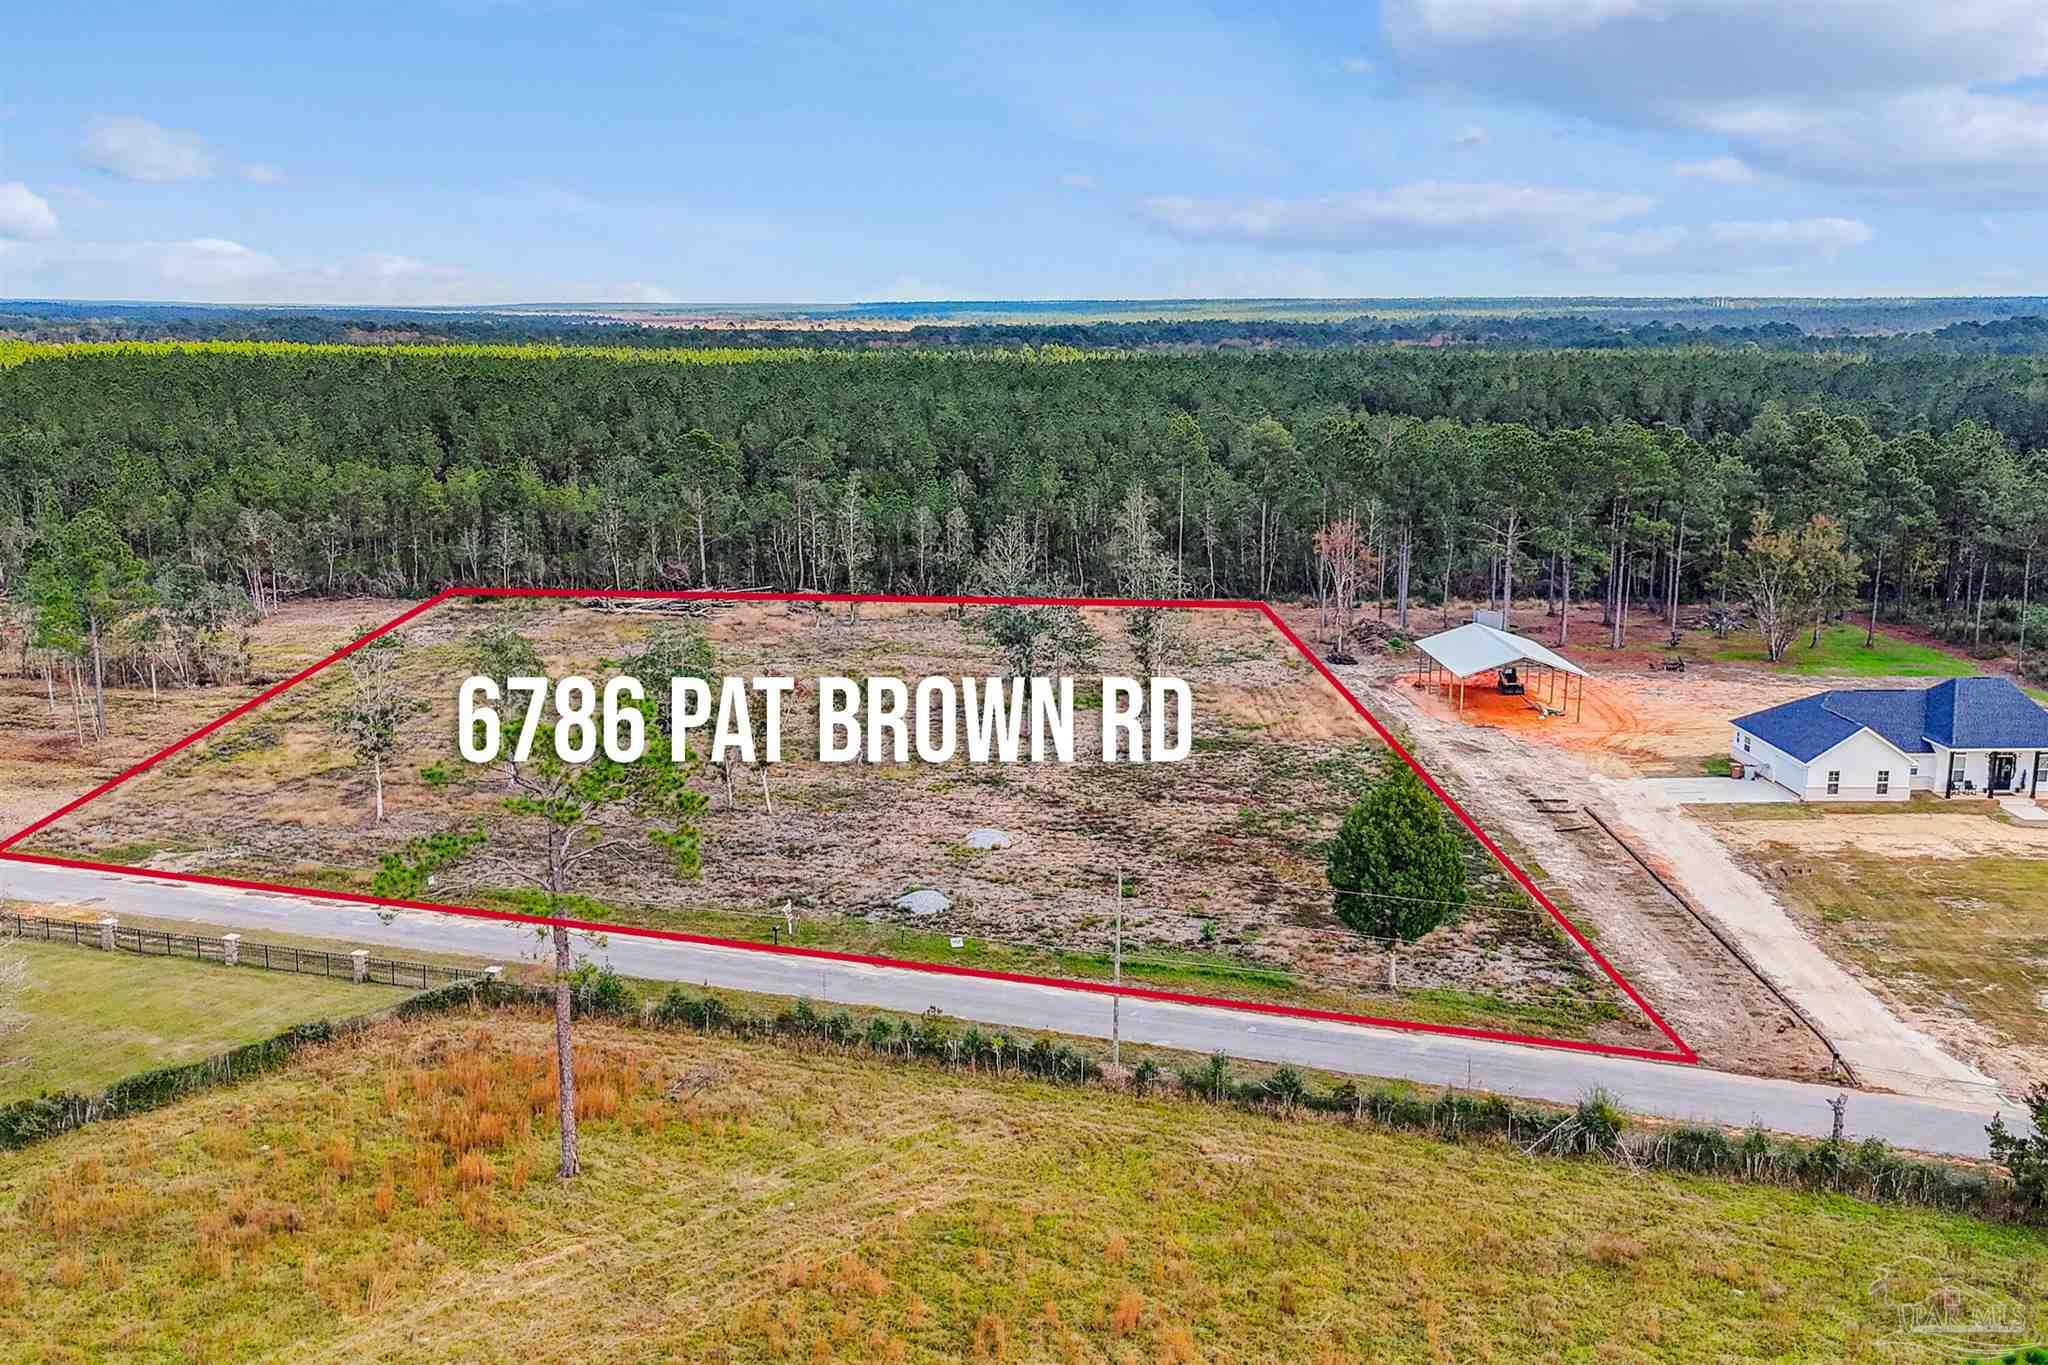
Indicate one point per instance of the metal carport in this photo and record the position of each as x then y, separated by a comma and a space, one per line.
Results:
1469, 650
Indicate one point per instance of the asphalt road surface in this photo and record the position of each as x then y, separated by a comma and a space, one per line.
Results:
1664, 1090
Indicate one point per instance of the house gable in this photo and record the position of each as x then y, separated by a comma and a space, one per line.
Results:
1984, 713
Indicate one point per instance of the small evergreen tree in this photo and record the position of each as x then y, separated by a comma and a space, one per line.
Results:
1396, 868
2025, 1155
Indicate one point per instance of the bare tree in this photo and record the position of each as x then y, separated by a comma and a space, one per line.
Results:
1036, 639
374, 707
1348, 560
1146, 572
856, 540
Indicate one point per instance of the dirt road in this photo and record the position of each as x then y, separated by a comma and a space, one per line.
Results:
1884, 1049
1711, 999
1503, 758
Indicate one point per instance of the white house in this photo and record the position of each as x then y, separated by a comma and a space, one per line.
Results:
1963, 737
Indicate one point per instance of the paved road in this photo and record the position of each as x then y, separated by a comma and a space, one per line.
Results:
1669, 1091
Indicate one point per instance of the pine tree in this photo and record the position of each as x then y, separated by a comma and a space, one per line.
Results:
1396, 869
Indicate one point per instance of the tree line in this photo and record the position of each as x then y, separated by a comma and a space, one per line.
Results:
153, 499
1868, 327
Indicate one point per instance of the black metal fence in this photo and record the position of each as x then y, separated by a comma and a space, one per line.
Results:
382, 971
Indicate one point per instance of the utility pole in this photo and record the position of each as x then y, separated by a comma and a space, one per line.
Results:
1116, 976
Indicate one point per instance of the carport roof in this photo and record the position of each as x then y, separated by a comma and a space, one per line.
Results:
1476, 648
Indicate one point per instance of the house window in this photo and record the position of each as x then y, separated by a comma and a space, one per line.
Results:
1834, 782
1913, 771
1745, 744
1884, 780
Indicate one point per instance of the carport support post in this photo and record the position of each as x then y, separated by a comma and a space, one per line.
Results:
359, 965
230, 949
107, 934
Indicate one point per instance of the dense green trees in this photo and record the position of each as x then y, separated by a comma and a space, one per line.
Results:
1627, 477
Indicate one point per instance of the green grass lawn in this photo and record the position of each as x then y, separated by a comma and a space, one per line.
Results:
1842, 653
1961, 935
95, 1017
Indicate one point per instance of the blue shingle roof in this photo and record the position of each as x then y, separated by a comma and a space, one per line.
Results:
1962, 713
1803, 728
1897, 713
1984, 713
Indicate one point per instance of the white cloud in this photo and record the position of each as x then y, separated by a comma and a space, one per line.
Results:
1722, 170
914, 289
1078, 182
1717, 247
1890, 94
1426, 214
138, 149
221, 270
1358, 66
1471, 135
24, 214
640, 291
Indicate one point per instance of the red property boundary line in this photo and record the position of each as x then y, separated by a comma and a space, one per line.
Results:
1684, 1053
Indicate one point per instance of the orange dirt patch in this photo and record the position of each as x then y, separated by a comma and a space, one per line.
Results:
1627, 726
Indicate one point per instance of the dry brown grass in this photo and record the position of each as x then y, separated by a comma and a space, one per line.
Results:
825, 1207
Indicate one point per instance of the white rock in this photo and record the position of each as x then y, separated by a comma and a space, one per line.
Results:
925, 902
988, 838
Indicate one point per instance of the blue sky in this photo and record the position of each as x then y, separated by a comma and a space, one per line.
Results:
486, 152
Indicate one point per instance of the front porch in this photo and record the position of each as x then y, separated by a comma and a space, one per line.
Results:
1996, 773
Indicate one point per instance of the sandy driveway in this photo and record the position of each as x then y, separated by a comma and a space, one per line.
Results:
1886, 1051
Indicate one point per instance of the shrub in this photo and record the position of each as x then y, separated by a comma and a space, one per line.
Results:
1209, 1081
2025, 1158
1594, 1128
1286, 1087
1396, 869
600, 990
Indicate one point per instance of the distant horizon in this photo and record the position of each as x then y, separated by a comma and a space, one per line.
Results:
1700, 300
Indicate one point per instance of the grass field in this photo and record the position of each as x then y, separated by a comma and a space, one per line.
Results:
748, 1203
1922, 803
1842, 653
95, 1017
1959, 934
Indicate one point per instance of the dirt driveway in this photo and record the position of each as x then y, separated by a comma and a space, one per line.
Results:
1529, 793
1886, 1051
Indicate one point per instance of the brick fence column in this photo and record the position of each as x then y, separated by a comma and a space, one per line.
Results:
230, 949
107, 933
360, 959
